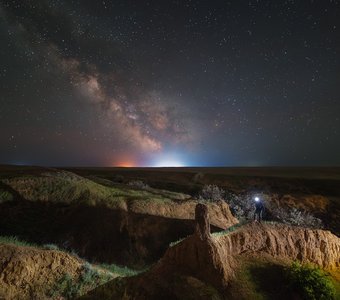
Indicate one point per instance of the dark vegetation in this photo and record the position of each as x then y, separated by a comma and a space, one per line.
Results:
260, 279
310, 282
243, 208
264, 278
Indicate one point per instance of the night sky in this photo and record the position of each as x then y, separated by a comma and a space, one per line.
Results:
170, 83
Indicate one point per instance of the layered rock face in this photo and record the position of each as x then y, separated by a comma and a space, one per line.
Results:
314, 246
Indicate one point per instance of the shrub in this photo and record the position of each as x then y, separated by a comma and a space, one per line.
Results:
296, 217
138, 184
212, 193
242, 207
51, 247
310, 282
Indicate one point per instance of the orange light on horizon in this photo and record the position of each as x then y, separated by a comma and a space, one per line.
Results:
125, 164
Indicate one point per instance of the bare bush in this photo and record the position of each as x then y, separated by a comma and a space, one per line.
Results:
138, 184
293, 216
212, 193
241, 206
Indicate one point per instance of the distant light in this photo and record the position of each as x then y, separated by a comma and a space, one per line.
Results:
125, 164
257, 199
169, 164
172, 159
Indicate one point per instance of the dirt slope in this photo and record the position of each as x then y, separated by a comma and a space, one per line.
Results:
28, 273
66, 187
112, 224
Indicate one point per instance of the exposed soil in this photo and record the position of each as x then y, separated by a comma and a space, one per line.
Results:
213, 260
316, 190
116, 224
138, 231
29, 273
101, 234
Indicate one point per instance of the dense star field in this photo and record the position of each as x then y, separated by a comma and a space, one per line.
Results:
153, 83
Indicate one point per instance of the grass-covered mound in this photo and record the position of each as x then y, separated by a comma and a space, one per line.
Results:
30, 271
104, 221
66, 187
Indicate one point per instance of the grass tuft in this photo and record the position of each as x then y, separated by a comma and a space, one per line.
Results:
121, 271
176, 242
16, 241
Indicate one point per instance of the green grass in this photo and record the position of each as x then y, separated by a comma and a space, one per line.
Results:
70, 188
91, 276
5, 196
229, 229
176, 242
310, 282
236, 226
336, 284
266, 278
16, 241
121, 271
72, 287
259, 279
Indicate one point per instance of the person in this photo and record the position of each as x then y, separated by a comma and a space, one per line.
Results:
259, 209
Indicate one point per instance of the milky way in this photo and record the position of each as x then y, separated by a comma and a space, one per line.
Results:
192, 82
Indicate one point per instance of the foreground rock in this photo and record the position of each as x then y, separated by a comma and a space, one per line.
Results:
29, 273
210, 261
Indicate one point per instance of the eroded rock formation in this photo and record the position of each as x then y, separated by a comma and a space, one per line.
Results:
27, 272
314, 246
211, 258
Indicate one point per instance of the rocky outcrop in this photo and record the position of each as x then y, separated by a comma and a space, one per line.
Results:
199, 255
212, 258
314, 246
